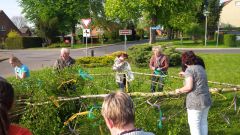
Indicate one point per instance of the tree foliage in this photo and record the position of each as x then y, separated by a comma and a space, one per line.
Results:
169, 13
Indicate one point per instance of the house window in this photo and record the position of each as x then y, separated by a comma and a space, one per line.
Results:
237, 3
2, 28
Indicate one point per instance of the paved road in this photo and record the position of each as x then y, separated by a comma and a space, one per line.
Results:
39, 58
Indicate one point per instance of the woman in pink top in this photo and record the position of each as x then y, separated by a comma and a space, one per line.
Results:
6, 102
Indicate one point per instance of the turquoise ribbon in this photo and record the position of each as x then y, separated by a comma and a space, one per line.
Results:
84, 75
90, 114
160, 119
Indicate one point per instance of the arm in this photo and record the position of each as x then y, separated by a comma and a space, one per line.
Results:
166, 64
151, 64
117, 64
24, 75
187, 87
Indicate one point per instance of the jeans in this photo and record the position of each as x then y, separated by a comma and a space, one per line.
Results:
121, 86
197, 120
156, 80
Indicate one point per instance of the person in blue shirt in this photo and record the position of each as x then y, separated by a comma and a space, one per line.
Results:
21, 70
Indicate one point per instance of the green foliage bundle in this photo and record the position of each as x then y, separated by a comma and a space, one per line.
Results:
23, 42
230, 40
140, 55
48, 119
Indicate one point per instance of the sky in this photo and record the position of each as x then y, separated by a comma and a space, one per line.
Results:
11, 8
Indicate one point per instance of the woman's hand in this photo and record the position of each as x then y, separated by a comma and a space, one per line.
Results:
177, 91
181, 74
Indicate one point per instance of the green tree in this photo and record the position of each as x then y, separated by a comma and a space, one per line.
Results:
215, 8
44, 12
158, 11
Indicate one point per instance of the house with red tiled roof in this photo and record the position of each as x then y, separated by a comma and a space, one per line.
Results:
6, 25
230, 15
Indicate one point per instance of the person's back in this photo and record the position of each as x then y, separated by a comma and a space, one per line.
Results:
6, 102
119, 115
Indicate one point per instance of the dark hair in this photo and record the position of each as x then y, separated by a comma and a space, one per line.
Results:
189, 58
124, 55
6, 101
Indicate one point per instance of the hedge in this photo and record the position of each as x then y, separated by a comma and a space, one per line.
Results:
99, 61
230, 40
23, 42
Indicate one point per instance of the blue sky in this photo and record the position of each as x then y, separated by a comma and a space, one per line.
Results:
10, 7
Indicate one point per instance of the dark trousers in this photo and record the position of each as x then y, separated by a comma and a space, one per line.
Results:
157, 80
122, 85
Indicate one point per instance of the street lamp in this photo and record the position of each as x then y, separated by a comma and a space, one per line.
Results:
206, 13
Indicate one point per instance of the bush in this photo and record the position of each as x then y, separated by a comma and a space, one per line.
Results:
13, 34
140, 55
23, 42
230, 40
238, 40
100, 61
59, 45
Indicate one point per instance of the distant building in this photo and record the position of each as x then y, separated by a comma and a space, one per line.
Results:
25, 31
6, 25
230, 15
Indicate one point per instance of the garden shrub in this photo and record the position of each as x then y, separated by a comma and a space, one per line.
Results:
13, 34
140, 55
59, 45
99, 61
230, 40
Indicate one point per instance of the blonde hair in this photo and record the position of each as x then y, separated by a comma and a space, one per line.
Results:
15, 60
119, 108
157, 48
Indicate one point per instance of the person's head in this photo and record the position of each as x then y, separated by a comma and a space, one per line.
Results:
118, 110
123, 56
65, 52
6, 102
189, 58
157, 50
14, 61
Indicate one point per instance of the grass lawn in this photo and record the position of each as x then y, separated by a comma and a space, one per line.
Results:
191, 44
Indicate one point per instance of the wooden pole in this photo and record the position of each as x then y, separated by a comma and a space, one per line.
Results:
135, 94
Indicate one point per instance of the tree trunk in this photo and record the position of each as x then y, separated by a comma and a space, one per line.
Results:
152, 39
73, 39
